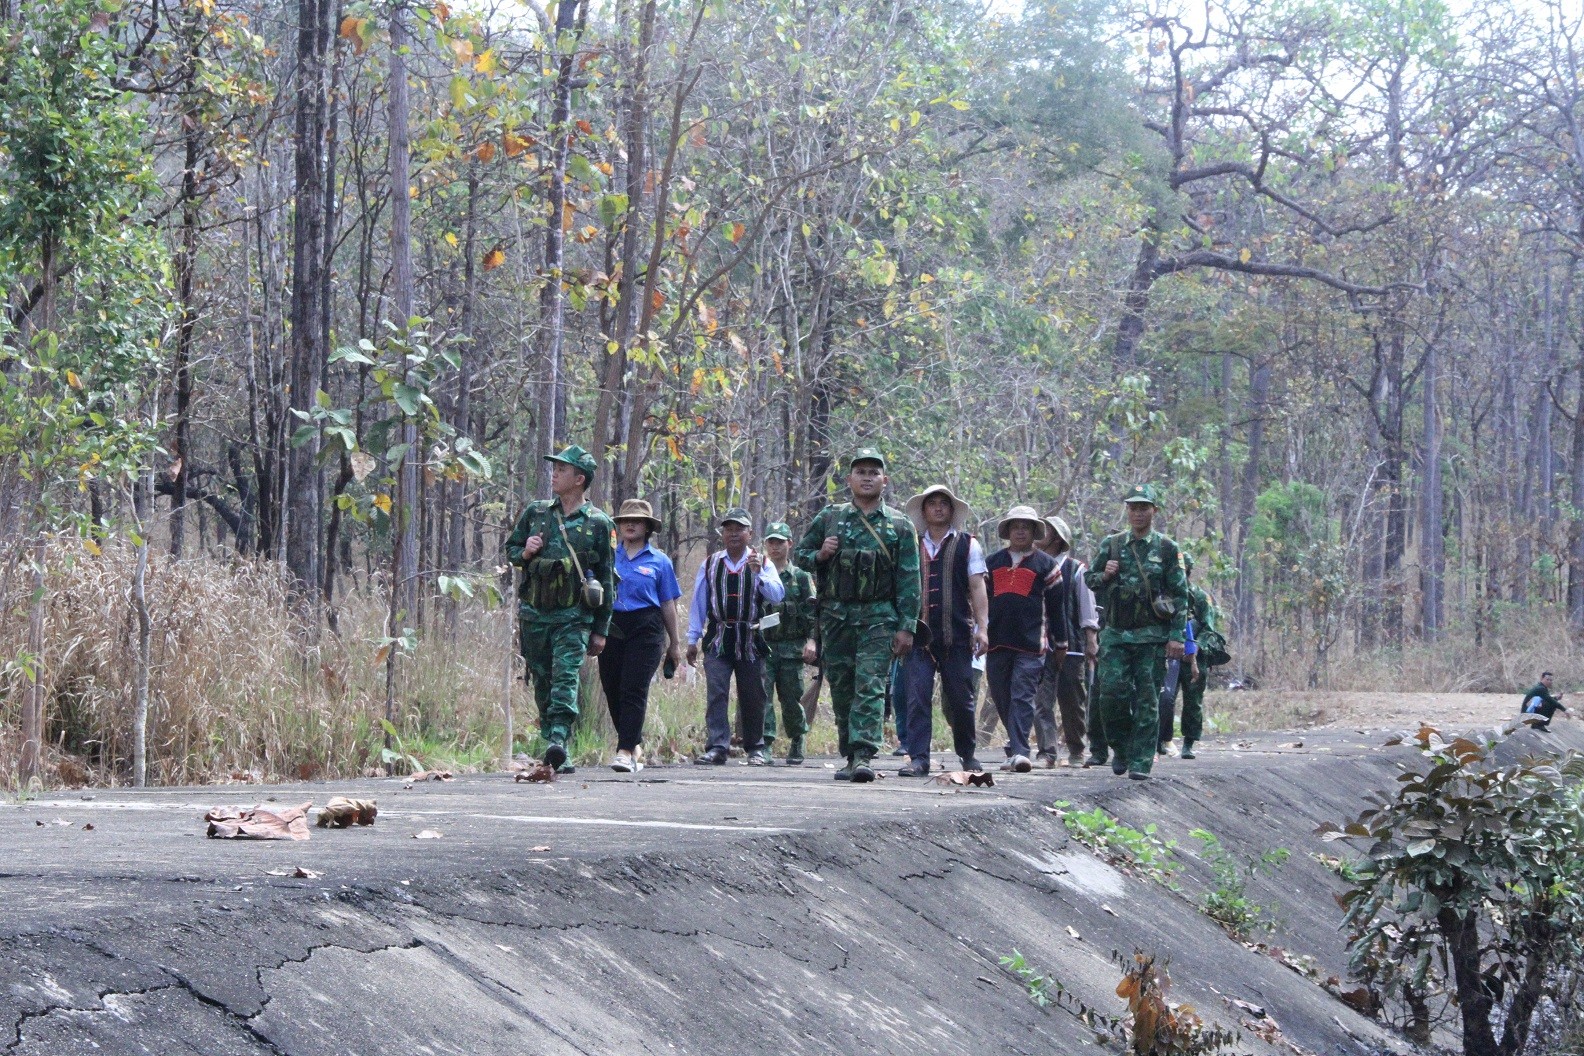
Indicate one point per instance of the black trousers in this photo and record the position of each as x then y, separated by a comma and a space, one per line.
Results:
632, 654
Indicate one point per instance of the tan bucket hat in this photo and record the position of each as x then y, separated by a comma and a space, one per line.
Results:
961, 513
638, 510
1023, 513
1060, 529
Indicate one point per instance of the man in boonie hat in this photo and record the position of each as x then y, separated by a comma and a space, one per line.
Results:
791, 644
956, 612
1025, 623
864, 556
1138, 575
1063, 683
732, 592
565, 547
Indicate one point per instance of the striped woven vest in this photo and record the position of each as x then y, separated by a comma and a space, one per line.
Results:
733, 609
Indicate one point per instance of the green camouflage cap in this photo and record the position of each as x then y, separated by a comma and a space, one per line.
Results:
865, 454
1141, 493
779, 530
736, 515
577, 458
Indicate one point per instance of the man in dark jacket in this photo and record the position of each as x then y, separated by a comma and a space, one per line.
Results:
1063, 683
1026, 622
1539, 701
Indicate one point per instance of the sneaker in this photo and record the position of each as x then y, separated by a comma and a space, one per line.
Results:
794, 756
1021, 764
1187, 752
862, 772
1094, 760
555, 755
1167, 749
711, 757
757, 758
638, 763
623, 763
1137, 775
971, 765
846, 772
1076, 759
915, 768
1047, 760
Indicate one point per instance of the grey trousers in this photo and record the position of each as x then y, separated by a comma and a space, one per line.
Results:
718, 673
1014, 679
1062, 687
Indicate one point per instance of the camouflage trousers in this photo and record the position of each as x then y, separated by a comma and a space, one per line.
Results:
554, 654
1193, 691
1128, 687
858, 667
783, 679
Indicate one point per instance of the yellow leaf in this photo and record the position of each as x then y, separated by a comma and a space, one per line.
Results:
383, 503
73, 380
486, 63
451, 239
1245, 255
462, 48
675, 448
494, 258
92, 547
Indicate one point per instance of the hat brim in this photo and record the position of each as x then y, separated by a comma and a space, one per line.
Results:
1139, 500
1054, 529
654, 523
962, 513
1004, 529
723, 522
586, 471
856, 462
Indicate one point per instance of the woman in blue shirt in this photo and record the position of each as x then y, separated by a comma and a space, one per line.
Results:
643, 629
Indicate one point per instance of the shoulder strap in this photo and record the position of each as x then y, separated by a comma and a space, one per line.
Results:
561, 524
863, 519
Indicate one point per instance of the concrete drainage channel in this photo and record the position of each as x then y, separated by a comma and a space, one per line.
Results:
878, 928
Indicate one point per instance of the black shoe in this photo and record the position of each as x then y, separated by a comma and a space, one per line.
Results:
971, 765
915, 768
1118, 767
1094, 760
794, 756
1137, 775
1187, 752
899, 750
555, 755
862, 772
712, 757
846, 772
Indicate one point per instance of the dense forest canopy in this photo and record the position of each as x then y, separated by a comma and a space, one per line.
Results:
315, 285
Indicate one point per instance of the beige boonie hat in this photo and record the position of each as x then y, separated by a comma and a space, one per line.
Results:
638, 510
961, 514
1059, 528
1022, 513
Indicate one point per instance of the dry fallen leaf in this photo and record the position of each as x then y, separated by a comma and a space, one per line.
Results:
541, 773
427, 834
539, 849
1290, 744
306, 874
1074, 932
343, 812
1248, 1006
431, 775
966, 777
88, 827
1108, 909
258, 823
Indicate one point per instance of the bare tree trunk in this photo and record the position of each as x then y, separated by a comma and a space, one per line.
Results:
553, 302
404, 556
1244, 614
186, 265
140, 676
304, 498
1432, 541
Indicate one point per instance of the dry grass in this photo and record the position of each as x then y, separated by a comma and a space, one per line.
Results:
234, 698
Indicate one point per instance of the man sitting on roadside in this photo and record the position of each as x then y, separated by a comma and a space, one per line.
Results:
1539, 701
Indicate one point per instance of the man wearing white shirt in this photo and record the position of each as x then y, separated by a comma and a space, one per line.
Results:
730, 593
955, 608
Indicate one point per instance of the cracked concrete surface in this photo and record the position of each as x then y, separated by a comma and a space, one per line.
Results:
693, 910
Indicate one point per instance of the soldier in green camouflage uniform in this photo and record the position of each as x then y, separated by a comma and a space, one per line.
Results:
1139, 579
558, 628
1201, 609
791, 644
865, 559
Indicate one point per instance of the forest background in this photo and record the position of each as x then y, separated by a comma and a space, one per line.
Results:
298, 293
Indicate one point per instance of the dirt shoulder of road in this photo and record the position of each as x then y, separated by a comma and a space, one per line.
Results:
1234, 711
